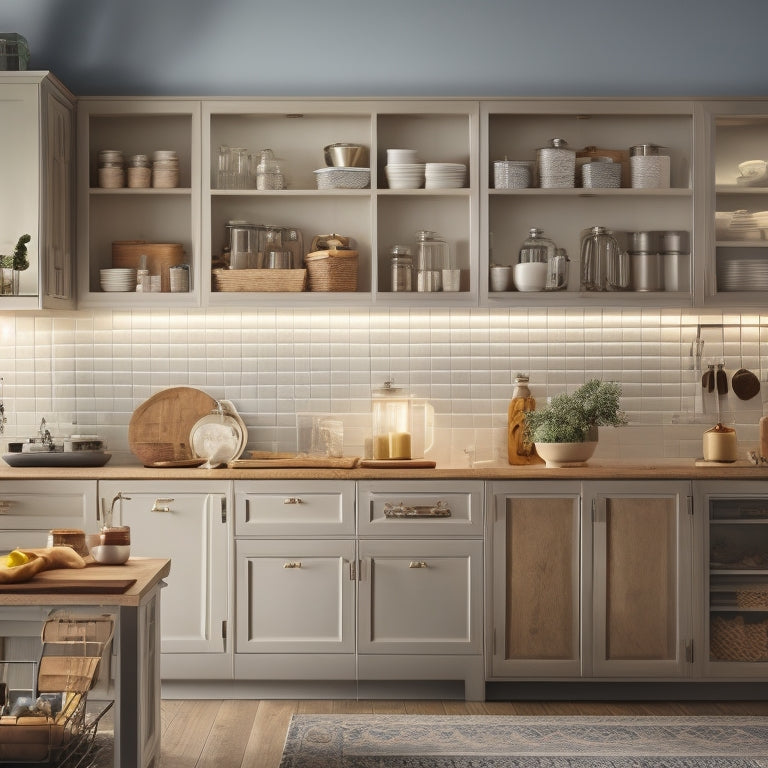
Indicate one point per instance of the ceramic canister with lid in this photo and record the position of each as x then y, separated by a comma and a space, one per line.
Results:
649, 168
556, 165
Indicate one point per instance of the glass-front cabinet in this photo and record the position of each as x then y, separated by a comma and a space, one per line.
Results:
735, 579
735, 205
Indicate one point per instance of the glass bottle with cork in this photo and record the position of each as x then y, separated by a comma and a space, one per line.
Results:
520, 450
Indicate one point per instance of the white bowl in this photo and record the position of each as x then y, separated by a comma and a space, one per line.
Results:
111, 554
530, 276
402, 156
565, 454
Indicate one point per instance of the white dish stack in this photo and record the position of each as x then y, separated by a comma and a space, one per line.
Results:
444, 175
404, 169
117, 279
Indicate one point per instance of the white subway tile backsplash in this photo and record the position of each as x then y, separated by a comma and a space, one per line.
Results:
88, 371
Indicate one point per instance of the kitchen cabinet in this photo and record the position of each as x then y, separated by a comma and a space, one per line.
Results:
514, 129
732, 579
188, 522
589, 580
37, 151
295, 581
420, 596
123, 214
401, 600
731, 267
374, 218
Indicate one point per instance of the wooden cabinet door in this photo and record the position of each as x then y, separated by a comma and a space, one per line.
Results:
642, 577
295, 596
420, 597
188, 525
534, 579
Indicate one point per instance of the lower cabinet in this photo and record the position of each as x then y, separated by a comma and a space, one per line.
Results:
590, 580
188, 522
403, 603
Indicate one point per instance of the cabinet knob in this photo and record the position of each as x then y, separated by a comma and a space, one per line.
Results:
293, 500
293, 564
161, 505
417, 564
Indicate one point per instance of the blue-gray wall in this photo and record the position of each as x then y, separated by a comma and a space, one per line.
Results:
398, 47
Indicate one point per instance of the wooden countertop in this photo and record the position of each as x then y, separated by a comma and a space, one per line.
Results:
146, 571
595, 469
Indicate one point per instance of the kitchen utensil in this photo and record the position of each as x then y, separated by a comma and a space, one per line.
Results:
721, 380
745, 384
159, 428
344, 155
217, 437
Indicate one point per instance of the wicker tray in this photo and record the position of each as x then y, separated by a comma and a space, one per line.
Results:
752, 596
733, 639
332, 270
247, 280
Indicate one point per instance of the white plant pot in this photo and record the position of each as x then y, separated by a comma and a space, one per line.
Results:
566, 454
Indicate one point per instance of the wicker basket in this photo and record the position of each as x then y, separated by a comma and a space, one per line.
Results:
733, 639
332, 270
752, 596
160, 257
269, 280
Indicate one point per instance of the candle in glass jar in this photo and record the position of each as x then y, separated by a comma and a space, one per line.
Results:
399, 445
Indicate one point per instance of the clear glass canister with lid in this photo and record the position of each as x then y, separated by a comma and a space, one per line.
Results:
536, 247
604, 266
401, 267
432, 259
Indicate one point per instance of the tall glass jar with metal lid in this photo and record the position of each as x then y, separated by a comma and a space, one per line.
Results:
432, 259
401, 268
536, 247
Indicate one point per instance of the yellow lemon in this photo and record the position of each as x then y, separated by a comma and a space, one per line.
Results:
16, 557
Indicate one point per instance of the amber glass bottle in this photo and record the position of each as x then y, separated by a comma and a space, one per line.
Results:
519, 450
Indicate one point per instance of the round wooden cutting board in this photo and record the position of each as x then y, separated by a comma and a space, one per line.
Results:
159, 430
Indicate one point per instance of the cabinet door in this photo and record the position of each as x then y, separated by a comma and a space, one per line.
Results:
189, 526
642, 577
30, 508
534, 579
295, 596
422, 597
58, 200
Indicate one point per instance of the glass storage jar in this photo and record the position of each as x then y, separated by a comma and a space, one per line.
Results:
604, 266
432, 259
401, 268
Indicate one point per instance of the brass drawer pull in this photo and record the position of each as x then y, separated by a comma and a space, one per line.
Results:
292, 564
293, 500
417, 564
440, 509
161, 505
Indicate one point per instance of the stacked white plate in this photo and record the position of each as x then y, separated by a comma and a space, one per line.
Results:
117, 279
405, 175
744, 226
742, 275
444, 175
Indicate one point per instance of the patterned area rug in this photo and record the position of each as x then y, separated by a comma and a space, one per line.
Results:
480, 741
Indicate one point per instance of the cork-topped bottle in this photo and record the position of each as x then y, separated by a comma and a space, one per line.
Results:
520, 450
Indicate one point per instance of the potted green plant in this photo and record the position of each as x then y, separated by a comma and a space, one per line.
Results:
565, 430
12, 265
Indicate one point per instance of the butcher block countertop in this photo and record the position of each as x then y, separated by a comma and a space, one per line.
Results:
595, 469
143, 572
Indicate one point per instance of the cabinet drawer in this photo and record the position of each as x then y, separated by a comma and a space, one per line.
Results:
36, 506
421, 508
294, 508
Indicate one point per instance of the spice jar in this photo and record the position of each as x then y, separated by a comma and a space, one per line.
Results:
401, 265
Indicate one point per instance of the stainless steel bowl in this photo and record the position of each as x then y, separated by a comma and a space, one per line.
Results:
342, 155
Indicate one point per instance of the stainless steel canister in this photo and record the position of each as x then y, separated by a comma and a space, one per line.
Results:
647, 274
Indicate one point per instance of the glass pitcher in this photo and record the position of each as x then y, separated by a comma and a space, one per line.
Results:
604, 266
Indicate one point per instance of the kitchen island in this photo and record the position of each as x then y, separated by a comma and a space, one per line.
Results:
136, 641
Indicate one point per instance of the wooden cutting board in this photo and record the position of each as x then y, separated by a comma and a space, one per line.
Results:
398, 464
296, 462
159, 428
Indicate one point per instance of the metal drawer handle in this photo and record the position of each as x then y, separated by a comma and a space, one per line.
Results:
293, 564
417, 564
161, 505
293, 500
5, 507
440, 509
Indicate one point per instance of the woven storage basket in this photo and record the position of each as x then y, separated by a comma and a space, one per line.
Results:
752, 597
160, 257
268, 280
332, 270
733, 639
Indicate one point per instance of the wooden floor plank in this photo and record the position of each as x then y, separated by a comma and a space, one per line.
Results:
183, 741
267, 736
387, 707
352, 707
424, 707
228, 738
